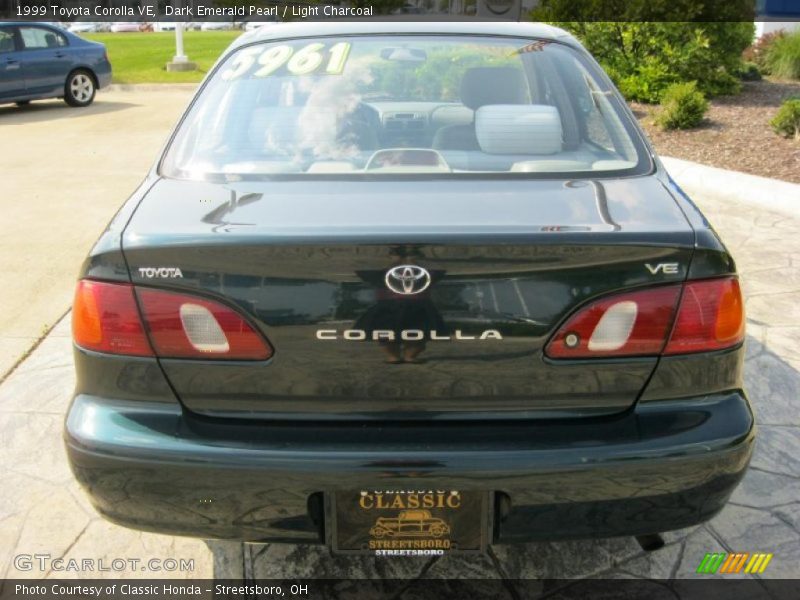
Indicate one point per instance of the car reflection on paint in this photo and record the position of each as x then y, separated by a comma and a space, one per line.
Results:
410, 523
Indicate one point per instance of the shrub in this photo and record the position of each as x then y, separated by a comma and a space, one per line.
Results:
783, 56
682, 106
650, 45
749, 71
757, 53
787, 121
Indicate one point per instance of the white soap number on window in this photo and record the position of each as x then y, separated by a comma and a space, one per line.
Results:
240, 64
305, 61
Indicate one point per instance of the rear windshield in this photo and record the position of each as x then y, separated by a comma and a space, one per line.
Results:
405, 105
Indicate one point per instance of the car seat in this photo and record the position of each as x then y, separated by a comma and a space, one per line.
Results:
481, 86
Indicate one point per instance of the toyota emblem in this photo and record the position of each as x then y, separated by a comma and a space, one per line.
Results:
407, 279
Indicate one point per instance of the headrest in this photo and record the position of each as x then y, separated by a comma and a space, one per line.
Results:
492, 85
6, 44
519, 129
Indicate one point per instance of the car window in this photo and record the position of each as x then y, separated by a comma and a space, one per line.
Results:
6, 41
374, 105
36, 38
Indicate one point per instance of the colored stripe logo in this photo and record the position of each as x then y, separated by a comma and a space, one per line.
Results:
738, 562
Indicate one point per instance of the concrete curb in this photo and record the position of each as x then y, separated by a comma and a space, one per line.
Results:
151, 87
772, 194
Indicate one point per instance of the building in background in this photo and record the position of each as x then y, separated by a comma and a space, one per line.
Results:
777, 15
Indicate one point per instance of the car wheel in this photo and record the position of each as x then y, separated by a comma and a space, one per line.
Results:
79, 89
23, 103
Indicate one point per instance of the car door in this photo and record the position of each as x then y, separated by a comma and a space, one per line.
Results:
45, 57
12, 81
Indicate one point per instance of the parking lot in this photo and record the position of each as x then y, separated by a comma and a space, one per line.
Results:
69, 172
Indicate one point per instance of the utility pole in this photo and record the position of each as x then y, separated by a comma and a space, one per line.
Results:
180, 62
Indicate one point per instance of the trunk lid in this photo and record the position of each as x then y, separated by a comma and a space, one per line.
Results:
307, 263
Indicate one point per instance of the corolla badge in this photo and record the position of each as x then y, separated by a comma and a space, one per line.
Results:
407, 279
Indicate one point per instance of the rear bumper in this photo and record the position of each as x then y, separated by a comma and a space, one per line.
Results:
103, 73
662, 466
104, 79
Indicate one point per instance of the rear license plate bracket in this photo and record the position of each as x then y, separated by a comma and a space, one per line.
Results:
408, 522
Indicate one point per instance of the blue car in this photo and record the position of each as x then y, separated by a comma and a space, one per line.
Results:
40, 61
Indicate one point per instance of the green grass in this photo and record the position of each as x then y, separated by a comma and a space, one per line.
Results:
783, 56
140, 57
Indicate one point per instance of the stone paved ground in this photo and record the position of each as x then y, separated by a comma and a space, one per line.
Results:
42, 509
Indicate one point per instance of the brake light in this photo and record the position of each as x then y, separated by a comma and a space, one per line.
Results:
184, 326
711, 317
106, 318
629, 324
707, 315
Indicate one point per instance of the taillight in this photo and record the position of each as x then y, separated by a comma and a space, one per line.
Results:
701, 316
106, 318
629, 324
711, 317
184, 326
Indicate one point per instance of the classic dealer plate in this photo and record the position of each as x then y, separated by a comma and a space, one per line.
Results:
408, 522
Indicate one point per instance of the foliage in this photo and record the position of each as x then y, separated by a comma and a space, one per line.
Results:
757, 53
787, 121
656, 43
380, 7
630, 11
783, 56
749, 71
682, 106
438, 77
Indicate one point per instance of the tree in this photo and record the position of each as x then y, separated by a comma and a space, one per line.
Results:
653, 44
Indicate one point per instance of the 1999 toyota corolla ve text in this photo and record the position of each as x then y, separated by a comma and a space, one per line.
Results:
385, 269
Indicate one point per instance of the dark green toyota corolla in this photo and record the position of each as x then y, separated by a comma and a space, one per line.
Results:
408, 288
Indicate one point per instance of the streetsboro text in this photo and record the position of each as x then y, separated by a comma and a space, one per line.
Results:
167, 589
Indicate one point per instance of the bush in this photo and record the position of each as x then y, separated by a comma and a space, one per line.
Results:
682, 106
783, 56
749, 71
757, 53
650, 45
787, 121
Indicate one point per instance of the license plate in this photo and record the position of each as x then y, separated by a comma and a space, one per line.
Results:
408, 522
